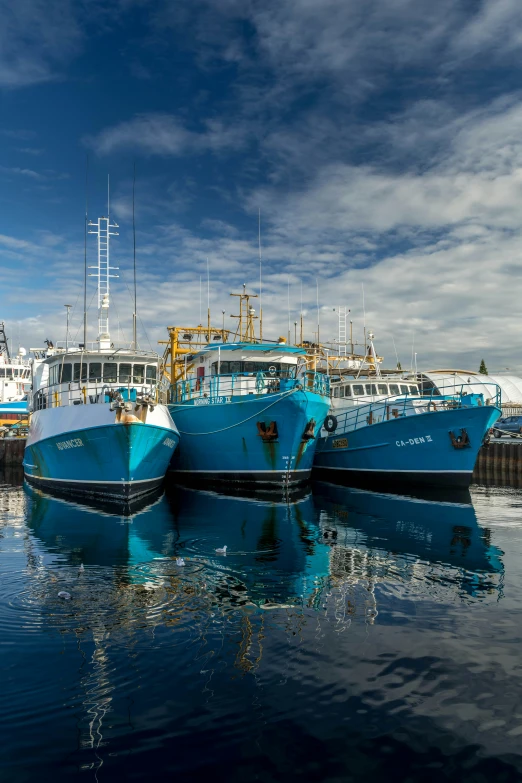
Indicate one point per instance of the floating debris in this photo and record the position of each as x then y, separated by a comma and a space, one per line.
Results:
65, 595
180, 561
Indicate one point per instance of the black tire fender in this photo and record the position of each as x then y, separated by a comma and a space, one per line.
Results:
330, 423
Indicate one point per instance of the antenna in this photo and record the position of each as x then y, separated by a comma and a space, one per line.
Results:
395, 349
68, 307
364, 317
317, 303
260, 278
103, 273
208, 300
135, 314
200, 317
301, 343
85, 252
108, 195
288, 304
412, 349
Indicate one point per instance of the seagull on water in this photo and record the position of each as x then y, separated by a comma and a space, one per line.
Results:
221, 550
180, 561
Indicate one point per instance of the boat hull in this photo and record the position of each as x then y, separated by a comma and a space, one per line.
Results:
411, 450
87, 452
222, 444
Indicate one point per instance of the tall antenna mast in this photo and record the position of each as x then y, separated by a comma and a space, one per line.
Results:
208, 300
288, 305
135, 314
301, 342
343, 316
364, 317
103, 272
260, 280
317, 303
85, 252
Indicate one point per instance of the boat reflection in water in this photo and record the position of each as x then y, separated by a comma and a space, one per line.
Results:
150, 632
435, 541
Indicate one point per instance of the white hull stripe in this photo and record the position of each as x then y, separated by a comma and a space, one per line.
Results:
85, 481
392, 470
242, 472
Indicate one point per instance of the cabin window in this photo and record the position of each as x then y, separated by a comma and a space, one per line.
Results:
394, 388
2, 372
404, 389
336, 391
151, 374
67, 373
249, 366
341, 391
414, 389
235, 367
138, 374
357, 389
110, 373
77, 366
383, 389
95, 373
347, 391
371, 388
9, 372
125, 373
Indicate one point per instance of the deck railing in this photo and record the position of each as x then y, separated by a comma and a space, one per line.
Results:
94, 394
365, 414
221, 388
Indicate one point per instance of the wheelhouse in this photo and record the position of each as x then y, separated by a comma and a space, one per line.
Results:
81, 377
361, 390
229, 370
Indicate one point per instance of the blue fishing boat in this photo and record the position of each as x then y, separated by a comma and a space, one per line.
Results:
383, 428
247, 411
99, 425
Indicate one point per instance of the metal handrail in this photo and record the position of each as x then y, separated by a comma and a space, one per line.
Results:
224, 387
57, 396
368, 413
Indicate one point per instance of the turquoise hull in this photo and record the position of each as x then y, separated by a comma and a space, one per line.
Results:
227, 442
112, 460
414, 449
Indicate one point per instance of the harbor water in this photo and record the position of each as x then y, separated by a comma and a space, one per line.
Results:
344, 636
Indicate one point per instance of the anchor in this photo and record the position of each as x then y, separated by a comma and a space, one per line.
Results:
461, 441
309, 433
268, 435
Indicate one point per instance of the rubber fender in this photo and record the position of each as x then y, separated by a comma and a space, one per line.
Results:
330, 423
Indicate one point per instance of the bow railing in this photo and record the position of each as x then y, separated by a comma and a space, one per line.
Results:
364, 414
222, 388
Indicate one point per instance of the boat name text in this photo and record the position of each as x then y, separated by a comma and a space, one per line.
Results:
414, 441
69, 444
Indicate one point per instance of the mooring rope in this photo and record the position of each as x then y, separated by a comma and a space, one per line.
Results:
258, 413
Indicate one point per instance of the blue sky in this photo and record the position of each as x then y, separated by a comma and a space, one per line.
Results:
382, 142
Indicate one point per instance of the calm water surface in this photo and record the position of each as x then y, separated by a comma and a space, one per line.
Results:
346, 636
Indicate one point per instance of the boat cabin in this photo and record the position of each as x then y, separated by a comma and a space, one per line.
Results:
15, 378
79, 377
232, 369
362, 390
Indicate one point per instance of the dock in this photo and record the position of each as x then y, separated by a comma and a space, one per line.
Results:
12, 451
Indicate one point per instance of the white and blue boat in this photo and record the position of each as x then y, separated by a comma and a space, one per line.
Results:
381, 429
248, 412
99, 425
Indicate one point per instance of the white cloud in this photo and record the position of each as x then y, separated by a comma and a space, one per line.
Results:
165, 134
36, 38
